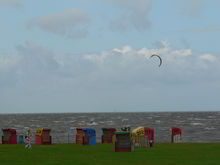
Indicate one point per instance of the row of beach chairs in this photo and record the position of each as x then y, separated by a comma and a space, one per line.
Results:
138, 137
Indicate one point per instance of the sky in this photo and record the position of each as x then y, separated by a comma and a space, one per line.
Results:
94, 55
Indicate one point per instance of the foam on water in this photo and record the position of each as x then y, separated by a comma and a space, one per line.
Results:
92, 123
195, 124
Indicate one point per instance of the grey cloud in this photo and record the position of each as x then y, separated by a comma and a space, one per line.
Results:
124, 66
71, 23
11, 3
8, 70
8, 78
34, 63
40, 63
121, 76
134, 14
130, 15
195, 8
201, 29
36, 58
31, 64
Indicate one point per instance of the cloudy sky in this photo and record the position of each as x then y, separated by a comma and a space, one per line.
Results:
94, 55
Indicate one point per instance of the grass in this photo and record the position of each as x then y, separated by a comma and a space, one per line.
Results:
102, 154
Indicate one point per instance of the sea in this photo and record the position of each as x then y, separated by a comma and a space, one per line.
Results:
197, 126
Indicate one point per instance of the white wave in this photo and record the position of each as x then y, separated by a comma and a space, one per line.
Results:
124, 120
92, 123
34, 120
209, 128
195, 124
57, 121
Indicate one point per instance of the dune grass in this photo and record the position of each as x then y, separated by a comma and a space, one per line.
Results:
102, 154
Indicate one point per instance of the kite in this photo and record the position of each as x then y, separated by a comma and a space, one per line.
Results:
158, 57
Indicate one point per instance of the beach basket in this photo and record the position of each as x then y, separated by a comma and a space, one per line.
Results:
123, 142
21, 139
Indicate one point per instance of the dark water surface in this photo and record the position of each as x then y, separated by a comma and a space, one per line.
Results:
197, 126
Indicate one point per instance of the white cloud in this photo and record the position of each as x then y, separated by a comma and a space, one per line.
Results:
95, 58
8, 60
120, 76
134, 14
185, 52
208, 57
132, 65
123, 50
70, 23
126, 64
10, 3
192, 8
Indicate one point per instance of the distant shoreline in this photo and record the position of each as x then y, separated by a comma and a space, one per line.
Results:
22, 113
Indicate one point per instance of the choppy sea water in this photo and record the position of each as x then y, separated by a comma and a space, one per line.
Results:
197, 126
